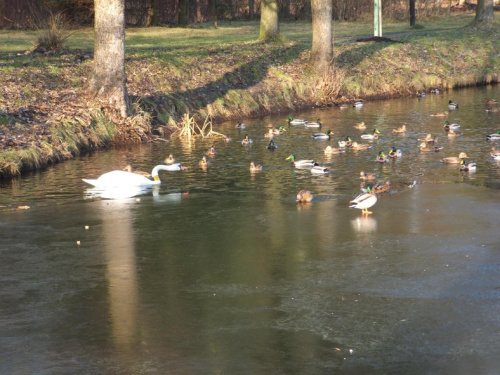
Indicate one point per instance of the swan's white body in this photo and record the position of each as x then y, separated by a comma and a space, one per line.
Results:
121, 179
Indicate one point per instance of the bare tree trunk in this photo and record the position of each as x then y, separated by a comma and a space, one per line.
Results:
251, 6
484, 11
182, 15
108, 79
322, 48
213, 12
269, 26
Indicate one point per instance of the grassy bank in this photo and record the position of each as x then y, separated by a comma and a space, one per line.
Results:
46, 117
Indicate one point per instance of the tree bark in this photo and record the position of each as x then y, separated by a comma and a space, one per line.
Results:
484, 11
322, 48
269, 26
108, 79
251, 6
182, 14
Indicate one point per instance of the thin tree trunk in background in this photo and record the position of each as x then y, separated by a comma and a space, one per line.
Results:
484, 11
269, 26
213, 12
251, 6
182, 15
322, 48
108, 78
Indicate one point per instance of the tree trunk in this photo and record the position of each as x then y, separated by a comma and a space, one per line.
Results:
213, 11
108, 79
182, 15
484, 11
322, 48
269, 26
251, 6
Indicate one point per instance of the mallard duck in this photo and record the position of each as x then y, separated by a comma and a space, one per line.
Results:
246, 140
128, 168
204, 163
366, 176
326, 135
374, 135
358, 104
255, 168
364, 201
240, 125
329, 150
271, 145
296, 121
395, 153
447, 126
211, 152
435, 91
344, 106
454, 159
304, 196
494, 109
318, 169
356, 146
420, 94
269, 134
348, 141
440, 114
316, 124
495, 154
428, 138
452, 104
169, 159
454, 133
380, 187
300, 163
360, 126
424, 147
227, 139
493, 136
381, 158
279, 131
123, 179
491, 102
401, 129
467, 167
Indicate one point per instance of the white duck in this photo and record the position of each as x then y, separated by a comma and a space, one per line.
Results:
318, 169
127, 179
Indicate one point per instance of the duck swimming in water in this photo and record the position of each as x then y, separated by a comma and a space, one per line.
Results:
318, 169
304, 196
467, 167
300, 163
395, 153
316, 124
401, 129
255, 168
493, 136
296, 121
454, 159
240, 125
452, 105
128, 168
329, 150
424, 147
381, 158
374, 135
246, 140
326, 135
272, 146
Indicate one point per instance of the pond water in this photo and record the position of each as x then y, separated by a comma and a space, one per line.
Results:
221, 271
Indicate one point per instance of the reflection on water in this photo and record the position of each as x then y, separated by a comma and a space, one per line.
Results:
221, 271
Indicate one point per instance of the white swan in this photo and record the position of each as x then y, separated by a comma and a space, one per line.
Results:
125, 179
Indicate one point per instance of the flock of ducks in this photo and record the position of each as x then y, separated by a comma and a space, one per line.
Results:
368, 196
